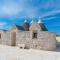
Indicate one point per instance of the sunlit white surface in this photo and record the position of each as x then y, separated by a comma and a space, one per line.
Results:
14, 53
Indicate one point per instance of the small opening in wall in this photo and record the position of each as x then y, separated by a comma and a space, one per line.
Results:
34, 35
0, 36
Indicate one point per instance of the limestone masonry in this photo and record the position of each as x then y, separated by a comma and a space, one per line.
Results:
36, 37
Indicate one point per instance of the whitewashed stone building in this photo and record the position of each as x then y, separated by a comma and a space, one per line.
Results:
36, 37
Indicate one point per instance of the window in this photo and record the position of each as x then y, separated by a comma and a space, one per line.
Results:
34, 35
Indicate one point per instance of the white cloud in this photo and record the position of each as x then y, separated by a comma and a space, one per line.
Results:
18, 8
31, 12
50, 13
11, 9
2, 23
49, 18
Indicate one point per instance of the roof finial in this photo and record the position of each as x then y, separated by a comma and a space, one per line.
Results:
25, 19
39, 21
32, 21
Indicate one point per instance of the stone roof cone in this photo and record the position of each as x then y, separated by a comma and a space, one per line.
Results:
42, 25
33, 26
26, 25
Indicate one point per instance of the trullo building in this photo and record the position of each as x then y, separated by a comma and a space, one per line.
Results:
34, 36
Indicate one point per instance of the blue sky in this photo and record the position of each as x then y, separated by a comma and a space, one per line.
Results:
14, 11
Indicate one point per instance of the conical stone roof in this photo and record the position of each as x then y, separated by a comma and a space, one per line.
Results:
26, 25
42, 25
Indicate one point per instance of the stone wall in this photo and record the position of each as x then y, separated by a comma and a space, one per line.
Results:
6, 38
45, 40
23, 38
1, 33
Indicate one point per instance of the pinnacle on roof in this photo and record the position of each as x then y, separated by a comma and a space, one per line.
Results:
32, 21
25, 20
26, 25
39, 21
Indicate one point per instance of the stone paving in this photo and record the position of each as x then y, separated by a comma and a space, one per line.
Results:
14, 53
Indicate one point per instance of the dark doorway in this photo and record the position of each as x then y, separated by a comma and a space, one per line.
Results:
34, 35
0, 35
13, 38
